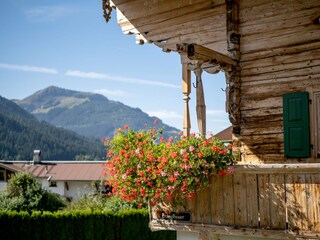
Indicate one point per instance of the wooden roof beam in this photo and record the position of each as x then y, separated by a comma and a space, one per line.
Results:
198, 52
209, 57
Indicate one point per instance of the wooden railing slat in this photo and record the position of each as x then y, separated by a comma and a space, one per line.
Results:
217, 203
313, 183
252, 200
264, 200
240, 195
277, 201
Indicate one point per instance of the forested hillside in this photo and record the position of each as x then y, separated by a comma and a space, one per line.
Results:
21, 133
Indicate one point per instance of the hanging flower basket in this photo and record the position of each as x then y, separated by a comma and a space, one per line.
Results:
145, 167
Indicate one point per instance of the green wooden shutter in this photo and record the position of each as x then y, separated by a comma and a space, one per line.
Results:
296, 125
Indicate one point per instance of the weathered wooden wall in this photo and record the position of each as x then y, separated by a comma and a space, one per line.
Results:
280, 53
262, 200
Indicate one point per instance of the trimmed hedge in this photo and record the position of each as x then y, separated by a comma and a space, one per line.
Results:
78, 225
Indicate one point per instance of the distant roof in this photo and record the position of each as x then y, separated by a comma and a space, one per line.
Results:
225, 135
60, 171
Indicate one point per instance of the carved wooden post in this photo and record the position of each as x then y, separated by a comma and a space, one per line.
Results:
201, 106
186, 90
233, 75
212, 62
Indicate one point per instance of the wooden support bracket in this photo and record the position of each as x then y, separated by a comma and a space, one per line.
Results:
198, 52
195, 57
212, 61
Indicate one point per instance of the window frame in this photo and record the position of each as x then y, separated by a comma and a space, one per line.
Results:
3, 172
316, 123
314, 92
53, 184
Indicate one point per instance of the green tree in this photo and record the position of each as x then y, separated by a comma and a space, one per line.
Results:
24, 193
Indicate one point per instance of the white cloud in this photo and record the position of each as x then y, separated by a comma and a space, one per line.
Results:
26, 68
108, 92
48, 13
217, 113
165, 115
94, 75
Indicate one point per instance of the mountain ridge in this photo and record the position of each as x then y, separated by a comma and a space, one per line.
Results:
21, 133
88, 114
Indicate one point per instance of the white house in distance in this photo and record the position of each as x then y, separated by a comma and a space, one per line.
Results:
70, 179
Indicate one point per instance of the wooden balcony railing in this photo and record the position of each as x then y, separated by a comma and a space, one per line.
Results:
274, 200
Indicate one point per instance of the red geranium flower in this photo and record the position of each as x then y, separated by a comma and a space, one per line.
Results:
222, 172
172, 179
174, 154
142, 166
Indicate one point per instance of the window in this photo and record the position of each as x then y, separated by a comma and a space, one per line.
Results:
52, 184
316, 111
296, 125
2, 175
301, 124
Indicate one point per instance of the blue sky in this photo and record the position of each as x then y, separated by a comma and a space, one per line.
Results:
68, 44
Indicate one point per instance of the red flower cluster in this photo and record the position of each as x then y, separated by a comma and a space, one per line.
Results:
145, 167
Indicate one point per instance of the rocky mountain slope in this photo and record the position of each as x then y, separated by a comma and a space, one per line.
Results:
87, 114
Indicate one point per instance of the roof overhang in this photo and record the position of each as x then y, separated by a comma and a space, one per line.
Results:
168, 23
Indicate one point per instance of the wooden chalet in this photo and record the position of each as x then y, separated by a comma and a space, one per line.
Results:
270, 53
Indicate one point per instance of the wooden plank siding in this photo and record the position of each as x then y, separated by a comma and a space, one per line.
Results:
279, 54
278, 201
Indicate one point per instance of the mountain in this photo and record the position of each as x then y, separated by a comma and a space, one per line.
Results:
21, 133
88, 114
